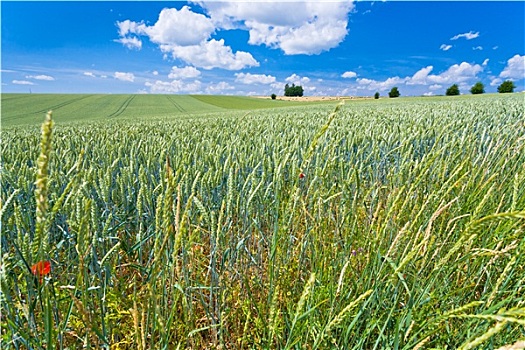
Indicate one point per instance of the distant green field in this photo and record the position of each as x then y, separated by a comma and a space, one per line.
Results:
20, 109
29, 109
241, 102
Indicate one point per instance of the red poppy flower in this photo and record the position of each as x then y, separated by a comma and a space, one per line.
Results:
41, 268
302, 175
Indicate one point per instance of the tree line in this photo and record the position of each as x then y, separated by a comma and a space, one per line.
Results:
507, 86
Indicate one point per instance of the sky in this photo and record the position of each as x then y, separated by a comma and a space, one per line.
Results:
341, 48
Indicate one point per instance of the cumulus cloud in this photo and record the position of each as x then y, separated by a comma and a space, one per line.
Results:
247, 78
219, 88
294, 27
183, 73
174, 86
277, 86
173, 27
186, 35
130, 42
40, 77
155, 72
469, 36
495, 81
90, 74
212, 54
296, 79
420, 77
124, 76
445, 47
349, 74
126, 27
372, 84
455, 74
515, 68
22, 82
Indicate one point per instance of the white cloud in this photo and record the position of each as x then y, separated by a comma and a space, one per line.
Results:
89, 74
495, 81
186, 35
155, 72
277, 86
484, 64
296, 79
430, 93
22, 82
515, 68
212, 54
126, 27
469, 36
294, 27
455, 74
495, 47
124, 76
389, 83
349, 74
40, 77
174, 86
445, 47
477, 48
219, 88
184, 73
130, 42
179, 27
247, 78
310, 88
420, 77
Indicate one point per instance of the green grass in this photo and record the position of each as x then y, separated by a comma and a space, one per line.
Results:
196, 231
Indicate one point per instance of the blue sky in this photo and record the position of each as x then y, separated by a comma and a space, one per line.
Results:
246, 48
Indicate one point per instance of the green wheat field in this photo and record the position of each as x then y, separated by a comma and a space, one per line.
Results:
209, 222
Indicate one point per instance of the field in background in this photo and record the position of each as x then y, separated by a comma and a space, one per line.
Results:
27, 109
19, 109
390, 224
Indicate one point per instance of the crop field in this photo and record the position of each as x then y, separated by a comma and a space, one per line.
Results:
193, 222
18, 109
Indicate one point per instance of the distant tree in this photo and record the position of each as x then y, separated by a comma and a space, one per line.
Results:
376, 95
506, 86
478, 88
293, 90
274, 96
394, 92
453, 90
299, 91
